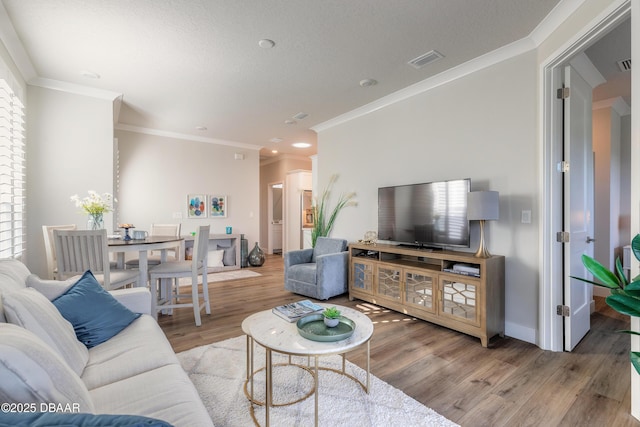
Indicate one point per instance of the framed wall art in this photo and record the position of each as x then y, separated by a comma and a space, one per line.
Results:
218, 206
196, 206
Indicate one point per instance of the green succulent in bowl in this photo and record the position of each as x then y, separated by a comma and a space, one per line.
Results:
331, 313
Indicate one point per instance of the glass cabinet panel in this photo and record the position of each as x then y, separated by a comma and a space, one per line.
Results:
362, 276
419, 289
459, 300
388, 282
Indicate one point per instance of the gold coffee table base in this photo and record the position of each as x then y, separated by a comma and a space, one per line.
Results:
313, 371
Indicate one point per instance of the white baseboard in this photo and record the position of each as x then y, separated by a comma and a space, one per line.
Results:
520, 332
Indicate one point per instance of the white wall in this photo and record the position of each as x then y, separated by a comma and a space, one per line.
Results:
69, 151
483, 127
157, 173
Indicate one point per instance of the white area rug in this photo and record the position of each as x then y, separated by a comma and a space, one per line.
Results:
222, 276
218, 372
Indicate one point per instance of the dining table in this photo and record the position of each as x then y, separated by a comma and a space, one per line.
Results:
120, 247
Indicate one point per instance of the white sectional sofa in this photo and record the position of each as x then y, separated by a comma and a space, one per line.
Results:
134, 373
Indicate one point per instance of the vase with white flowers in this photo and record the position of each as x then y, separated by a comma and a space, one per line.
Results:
95, 205
323, 219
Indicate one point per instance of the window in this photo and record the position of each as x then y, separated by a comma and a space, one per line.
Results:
12, 174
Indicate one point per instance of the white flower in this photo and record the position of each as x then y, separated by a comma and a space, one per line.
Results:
94, 203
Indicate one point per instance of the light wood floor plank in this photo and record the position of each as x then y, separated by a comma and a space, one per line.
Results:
513, 383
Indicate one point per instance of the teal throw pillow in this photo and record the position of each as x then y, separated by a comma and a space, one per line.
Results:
95, 315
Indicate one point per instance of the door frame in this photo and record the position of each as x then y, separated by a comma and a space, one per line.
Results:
551, 284
270, 237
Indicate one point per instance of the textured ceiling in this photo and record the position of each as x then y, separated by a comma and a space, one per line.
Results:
182, 64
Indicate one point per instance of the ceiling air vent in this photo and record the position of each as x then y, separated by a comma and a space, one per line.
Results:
425, 59
624, 64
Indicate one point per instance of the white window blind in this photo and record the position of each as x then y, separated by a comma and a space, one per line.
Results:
12, 174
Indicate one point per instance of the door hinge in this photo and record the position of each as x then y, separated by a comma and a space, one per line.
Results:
563, 166
563, 310
562, 236
563, 93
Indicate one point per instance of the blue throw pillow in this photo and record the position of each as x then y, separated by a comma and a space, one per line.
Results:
50, 419
95, 315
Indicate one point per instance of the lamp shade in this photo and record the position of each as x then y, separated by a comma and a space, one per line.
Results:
483, 205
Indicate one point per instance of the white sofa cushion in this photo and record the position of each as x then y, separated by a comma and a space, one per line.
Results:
31, 310
140, 347
165, 393
31, 372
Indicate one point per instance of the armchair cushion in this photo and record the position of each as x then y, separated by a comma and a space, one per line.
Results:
95, 315
326, 245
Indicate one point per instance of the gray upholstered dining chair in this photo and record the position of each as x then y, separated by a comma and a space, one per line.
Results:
321, 272
80, 250
162, 299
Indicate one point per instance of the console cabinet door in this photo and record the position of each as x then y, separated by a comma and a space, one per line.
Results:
388, 282
362, 276
459, 299
419, 289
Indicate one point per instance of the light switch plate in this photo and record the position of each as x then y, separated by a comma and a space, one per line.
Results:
526, 217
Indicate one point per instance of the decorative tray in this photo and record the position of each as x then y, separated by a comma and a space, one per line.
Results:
312, 327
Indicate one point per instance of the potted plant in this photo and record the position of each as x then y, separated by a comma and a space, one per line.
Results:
331, 317
625, 294
323, 219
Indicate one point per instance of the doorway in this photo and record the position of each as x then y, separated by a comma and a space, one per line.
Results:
275, 206
552, 293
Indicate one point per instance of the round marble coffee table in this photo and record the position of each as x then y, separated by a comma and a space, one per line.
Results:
276, 334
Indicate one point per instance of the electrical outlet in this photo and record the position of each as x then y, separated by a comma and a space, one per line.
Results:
526, 217
177, 215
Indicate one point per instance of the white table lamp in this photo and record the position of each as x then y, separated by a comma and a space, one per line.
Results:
483, 206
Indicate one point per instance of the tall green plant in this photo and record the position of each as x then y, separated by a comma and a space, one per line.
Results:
323, 219
625, 294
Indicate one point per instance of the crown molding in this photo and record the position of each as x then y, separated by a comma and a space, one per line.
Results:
14, 46
184, 136
554, 19
550, 23
617, 104
74, 88
462, 70
587, 70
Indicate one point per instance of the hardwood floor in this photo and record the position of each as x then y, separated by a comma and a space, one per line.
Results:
513, 383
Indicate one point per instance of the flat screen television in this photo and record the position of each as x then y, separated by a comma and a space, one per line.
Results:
432, 214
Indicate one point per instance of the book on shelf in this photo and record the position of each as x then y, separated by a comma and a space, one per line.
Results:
295, 310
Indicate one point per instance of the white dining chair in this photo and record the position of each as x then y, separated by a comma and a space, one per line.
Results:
154, 256
80, 250
49, 247
163, 299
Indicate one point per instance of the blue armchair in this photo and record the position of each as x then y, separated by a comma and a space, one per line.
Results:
321, 272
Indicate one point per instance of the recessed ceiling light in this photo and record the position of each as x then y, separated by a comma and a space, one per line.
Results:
201, 128
290, 122
368, 82
266, 43
89, 74
301, 145
276, 140
300, 116
274, 151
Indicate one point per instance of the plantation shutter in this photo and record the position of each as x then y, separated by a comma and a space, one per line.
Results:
12, 174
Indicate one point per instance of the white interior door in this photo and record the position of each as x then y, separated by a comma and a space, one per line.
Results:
578, 206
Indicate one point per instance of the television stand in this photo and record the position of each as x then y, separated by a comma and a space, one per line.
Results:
452, 289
